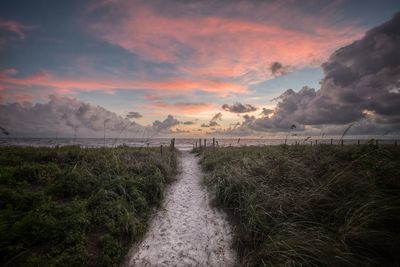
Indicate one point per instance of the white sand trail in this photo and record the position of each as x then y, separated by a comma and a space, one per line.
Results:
187, 231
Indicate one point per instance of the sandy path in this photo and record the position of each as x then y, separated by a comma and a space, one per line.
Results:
187, 231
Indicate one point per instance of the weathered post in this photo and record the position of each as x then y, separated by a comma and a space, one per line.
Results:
172, 144
161, 148
358, 142
218, 144
341, 142
213, 142
205, 143
331, 141
199, 142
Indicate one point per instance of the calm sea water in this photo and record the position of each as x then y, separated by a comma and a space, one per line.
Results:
181, 143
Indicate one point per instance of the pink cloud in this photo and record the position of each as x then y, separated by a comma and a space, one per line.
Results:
15, 29
45, 80
226, 46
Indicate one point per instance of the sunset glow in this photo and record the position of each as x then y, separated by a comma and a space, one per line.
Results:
195, 59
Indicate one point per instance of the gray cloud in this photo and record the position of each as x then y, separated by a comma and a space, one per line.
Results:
361, 79
217, 117
239, 108
166, 124
266, 111
64, 115
134, 115
278, 69
213, 122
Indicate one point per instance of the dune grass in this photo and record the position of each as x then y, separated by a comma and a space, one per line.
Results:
72, 206
310, 205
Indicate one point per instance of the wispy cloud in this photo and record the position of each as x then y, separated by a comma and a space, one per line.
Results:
226, 41
69, 85
13, 30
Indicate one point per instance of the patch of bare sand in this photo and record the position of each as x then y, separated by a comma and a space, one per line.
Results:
187, 231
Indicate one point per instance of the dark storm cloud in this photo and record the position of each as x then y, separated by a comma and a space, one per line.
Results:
361, 79
134, 115
239, 108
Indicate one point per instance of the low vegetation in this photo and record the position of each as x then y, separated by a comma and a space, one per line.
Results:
310, 205
72, 206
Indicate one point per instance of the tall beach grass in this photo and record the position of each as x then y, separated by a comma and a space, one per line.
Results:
310, 205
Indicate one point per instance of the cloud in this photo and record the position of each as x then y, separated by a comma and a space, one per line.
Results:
266, 111
278, 69
200, 39
42, 80
12, 30
213, 122
217, 117
134, 115
180, 131
239, 108
68, 85
360, 85
64, 115
169, 122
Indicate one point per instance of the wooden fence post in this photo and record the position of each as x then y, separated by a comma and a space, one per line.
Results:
331, 141
172, 144
341, 142
358, 142
205, 143
199, 142
213, 142
161, 150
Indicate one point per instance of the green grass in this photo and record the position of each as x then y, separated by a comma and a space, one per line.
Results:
73, 206
310, 205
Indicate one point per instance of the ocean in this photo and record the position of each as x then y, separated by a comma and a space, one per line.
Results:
180, 143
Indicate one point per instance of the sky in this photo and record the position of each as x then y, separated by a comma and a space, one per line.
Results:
195, 68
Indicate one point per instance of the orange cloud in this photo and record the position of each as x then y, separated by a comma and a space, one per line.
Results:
65, 86
223, 46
